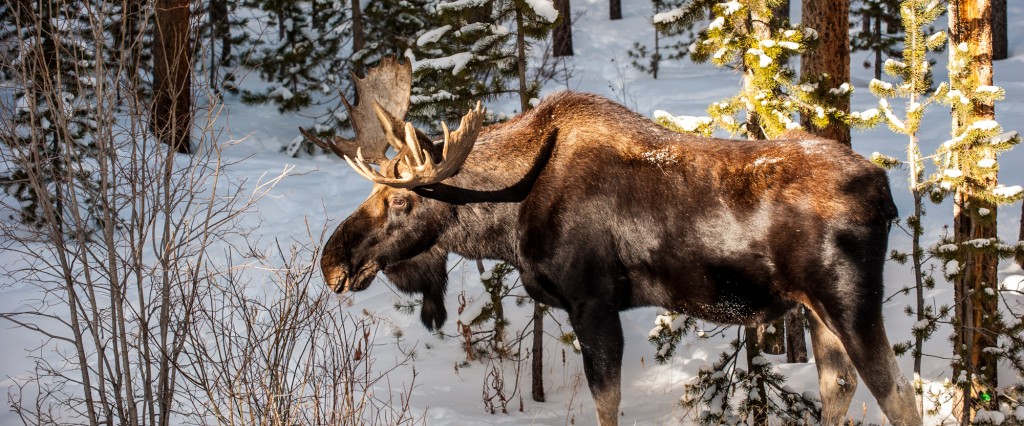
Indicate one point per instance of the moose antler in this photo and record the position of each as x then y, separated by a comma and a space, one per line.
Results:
421, 169
388, 86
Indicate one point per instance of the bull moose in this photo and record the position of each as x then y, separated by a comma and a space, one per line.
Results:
602, 210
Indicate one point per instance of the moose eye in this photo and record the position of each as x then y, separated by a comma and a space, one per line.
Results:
399, 203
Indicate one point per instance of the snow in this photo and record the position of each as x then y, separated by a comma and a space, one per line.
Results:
433, 35
686, 122
1013, 283
459, 5
474, 308
730, 7
717, 24
985, 125
544, 8
323, 191
456, 62
1006, 191
993, 417
283, 93
668, 17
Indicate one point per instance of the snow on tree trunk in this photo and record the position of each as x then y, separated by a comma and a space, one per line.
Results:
172, 75
832, 57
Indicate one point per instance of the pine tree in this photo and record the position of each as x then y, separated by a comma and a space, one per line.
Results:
51, 124
303, 57
222, 44
871, 15
667, 44
392, 29
772, 95
915, 85
969, 170
761, 392
478, 52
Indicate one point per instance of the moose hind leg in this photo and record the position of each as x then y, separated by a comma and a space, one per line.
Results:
869, 349
855, 316
837, 376
599, 331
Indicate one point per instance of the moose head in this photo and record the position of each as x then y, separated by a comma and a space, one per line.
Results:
395, 230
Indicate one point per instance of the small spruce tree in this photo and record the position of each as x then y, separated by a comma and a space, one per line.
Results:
914, 73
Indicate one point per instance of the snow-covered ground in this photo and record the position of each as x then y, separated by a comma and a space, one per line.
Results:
323, 191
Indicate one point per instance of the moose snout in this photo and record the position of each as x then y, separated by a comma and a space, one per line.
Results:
336, 279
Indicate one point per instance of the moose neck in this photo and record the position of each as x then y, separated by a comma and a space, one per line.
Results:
488, 191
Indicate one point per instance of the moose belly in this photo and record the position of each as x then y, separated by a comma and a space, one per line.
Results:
716, 293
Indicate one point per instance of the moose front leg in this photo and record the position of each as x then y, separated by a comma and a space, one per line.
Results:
599, 332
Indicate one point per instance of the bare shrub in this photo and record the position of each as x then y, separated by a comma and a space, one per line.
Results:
127, 259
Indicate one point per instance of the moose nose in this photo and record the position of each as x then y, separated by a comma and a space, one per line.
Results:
335, 280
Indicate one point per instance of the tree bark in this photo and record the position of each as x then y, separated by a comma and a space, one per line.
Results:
832, 57
774, 343
614, 9
970, 23
537, 354
358, 35
1020, 238
172, 75
561, 38
796, 342
1000, 44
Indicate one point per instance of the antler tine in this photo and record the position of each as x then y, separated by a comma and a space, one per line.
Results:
421, 169
457, 146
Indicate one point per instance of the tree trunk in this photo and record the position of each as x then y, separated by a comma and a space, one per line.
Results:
614, 9
537, 355
970, 23
832, 57
876, 40
220, 32
752, 343
358, 35
561, 38
1020, 253
172, 75
796, 342
773, 340
1000, 44
524, 101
